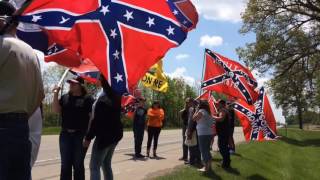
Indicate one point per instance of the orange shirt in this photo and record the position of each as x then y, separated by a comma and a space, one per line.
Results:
155, 117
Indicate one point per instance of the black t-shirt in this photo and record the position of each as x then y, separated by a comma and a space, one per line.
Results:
231, 117
75, 111
106, 125
222, 127
140, 116
185, 117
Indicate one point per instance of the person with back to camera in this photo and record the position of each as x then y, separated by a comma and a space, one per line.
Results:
21, 93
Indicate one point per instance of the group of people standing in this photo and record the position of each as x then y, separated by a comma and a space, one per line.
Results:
200, 126
84, 119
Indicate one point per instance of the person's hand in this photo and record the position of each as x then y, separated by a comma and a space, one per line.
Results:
56, 89
86, 143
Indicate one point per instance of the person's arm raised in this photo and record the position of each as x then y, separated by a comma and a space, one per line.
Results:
56, 106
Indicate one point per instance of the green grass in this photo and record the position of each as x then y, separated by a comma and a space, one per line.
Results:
51, 130
295, 156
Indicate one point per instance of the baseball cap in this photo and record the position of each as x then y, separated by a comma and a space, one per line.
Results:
77, 80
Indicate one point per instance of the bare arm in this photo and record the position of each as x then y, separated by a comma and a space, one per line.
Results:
221, 116
56, 106
198, 115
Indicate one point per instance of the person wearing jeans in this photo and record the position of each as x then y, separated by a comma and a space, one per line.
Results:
155, 122
107, 129
21, 92
205, 134
75, 109
139, 124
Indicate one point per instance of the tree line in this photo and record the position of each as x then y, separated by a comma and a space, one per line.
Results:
287, 46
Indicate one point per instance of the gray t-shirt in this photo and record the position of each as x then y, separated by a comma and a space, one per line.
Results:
204, 124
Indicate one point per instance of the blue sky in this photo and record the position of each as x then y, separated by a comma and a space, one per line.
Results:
218, 30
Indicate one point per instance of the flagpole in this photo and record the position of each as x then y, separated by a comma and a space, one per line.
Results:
63, 76
203, 66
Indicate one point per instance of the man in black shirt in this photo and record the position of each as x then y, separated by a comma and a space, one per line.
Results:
231, 126
184, 114
139, 123
222, 126
75, 109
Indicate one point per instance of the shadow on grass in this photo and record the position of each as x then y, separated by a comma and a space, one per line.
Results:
233, 171
212, 175
256, 177
307, 142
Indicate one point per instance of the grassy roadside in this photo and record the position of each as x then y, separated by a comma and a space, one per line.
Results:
295, 156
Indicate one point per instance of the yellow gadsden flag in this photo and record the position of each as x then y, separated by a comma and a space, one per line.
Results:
155, 78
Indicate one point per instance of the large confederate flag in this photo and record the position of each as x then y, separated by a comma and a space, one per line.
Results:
257, 120
226, 76
123, 38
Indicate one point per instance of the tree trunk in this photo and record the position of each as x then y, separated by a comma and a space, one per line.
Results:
300, 116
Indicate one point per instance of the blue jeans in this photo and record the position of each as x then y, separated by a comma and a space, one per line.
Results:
204, 144
72, 155
101, 157
15, 147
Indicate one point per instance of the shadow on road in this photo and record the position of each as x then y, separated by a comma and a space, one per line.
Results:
136, 159
158, 158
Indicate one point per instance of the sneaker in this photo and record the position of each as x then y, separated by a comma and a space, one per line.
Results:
202, 169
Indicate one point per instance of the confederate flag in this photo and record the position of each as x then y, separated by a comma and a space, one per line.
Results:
226, 76
123, 38
257, 120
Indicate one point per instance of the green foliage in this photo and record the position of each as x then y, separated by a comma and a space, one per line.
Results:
172, 101
294, 156
287, 45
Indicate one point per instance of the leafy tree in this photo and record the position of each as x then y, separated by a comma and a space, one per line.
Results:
287, 45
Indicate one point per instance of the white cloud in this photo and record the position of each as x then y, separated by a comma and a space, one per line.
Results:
180, 72
226, 10
182, 56
210, 41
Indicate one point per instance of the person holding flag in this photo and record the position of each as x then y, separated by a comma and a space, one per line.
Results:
205, 134
139, 123
222, 126
107, 129
75, 109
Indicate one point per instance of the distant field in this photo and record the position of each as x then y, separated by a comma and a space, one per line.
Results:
294, 156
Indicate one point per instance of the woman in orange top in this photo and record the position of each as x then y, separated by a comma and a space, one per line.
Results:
155, 119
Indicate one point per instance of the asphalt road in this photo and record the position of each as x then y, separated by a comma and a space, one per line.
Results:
124, 165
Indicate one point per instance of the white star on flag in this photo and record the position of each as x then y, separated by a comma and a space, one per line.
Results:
116, 54
113, 33
170, 30
64, 20
175, 12
128, 15
150, 21
118, 77
104, 9
36, 18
